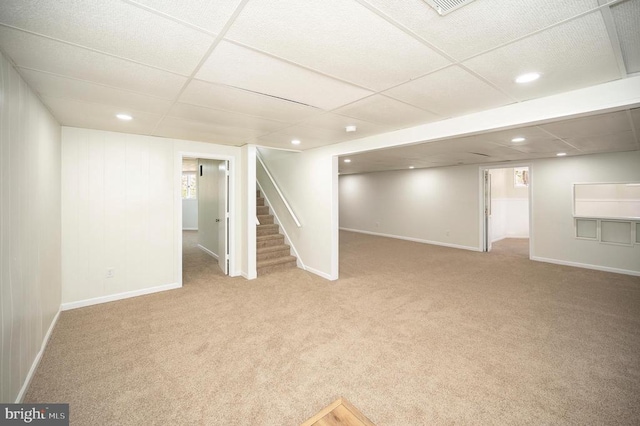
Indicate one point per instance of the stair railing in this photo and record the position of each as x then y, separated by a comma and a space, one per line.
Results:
275, 185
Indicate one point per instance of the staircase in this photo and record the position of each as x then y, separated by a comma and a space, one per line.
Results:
273, 253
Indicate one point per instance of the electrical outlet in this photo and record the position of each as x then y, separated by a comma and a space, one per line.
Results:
111, 272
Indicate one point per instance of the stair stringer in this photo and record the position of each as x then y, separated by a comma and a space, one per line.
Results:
287, 240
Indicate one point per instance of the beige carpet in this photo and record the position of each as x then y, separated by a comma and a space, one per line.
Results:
411, 334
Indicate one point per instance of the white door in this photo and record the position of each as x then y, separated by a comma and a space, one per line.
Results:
223, 216
487, 210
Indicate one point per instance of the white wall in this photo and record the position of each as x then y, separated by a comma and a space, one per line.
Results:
122, 209
208, 199
437, 205
190, 214
30, 280
509, 206
553, 226
117, 212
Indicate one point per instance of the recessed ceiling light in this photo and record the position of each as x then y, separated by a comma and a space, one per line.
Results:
295, 142
561, 154
351, 128
412, 167
528, 77
518, 139
124, 117
347, 160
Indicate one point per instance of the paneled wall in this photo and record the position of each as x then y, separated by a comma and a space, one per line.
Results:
30, 229
509, 206
117, 213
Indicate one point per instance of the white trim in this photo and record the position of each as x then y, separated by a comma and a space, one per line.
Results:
320, 273
118, 296
36, 361
299, 261
415, 240
189, 229
209, 252
587, 266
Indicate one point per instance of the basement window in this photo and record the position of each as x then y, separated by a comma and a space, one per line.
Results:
189, 189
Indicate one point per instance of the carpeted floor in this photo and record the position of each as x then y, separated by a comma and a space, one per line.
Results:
411, 334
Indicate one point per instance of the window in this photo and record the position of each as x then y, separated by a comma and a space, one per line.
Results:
189, 190
520, 177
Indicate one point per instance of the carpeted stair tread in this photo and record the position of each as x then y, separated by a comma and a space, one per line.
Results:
276, 261
272, 248
269, 237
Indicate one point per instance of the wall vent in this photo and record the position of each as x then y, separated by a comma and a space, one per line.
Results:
444, 7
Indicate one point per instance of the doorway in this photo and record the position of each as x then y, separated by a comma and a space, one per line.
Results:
205, 220
506, 210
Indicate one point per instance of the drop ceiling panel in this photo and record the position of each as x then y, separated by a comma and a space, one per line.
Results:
99, 116
209, 15
40, 53
237, 66
482, 24
596, 125
570, 56
179, 128
626, 16
224, 118
113, 27
552, 146
232, 99
450, 92
337, 37
387, 112
310, 136
621, 141
53, 86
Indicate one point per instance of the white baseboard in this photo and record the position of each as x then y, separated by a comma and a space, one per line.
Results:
209, 252
415, 240
189, 229
319, 273
118, 296
36, 361
249, 277
587, 266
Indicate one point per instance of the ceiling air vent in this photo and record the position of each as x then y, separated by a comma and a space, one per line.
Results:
446, 6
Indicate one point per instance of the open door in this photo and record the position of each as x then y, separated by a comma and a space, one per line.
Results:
487, 210
223, 216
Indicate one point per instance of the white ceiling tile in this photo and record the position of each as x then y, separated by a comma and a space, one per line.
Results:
113, 27
549, 146
621, 141
310, 136
207, 14
40, 53
387, 112
626, 15
596, 125
173, 127
450, 92
480, 25
224, 118
337, 37
53, 86
232, 99
74, 113
247, 69
570, 56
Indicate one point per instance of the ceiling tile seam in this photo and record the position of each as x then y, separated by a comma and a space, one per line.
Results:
92, 49
636, 132
307, 68
536, 32
559, 138
205, 57
95, 83
169, 17
15, 67
612, 32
